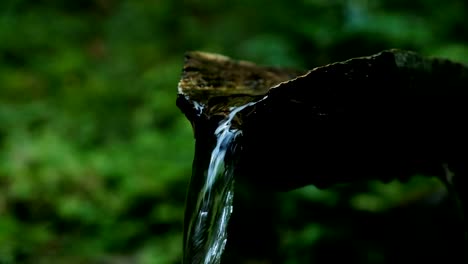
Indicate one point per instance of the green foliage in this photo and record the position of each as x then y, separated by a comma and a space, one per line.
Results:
95, 157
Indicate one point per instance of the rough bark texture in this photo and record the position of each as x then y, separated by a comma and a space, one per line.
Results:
218, 83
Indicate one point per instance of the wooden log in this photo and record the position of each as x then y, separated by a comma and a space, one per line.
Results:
387, 116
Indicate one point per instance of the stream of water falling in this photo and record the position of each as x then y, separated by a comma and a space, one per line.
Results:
208, 228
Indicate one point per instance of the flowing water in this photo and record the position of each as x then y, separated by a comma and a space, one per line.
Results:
207, 231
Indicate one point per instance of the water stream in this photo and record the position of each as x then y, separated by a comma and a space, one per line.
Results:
207, 231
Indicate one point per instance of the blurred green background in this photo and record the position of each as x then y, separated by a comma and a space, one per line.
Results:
95, 157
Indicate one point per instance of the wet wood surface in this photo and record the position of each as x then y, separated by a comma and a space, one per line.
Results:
386, 116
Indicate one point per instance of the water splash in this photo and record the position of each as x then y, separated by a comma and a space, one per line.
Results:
208, 224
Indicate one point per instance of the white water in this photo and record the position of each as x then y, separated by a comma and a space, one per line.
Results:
215, 201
